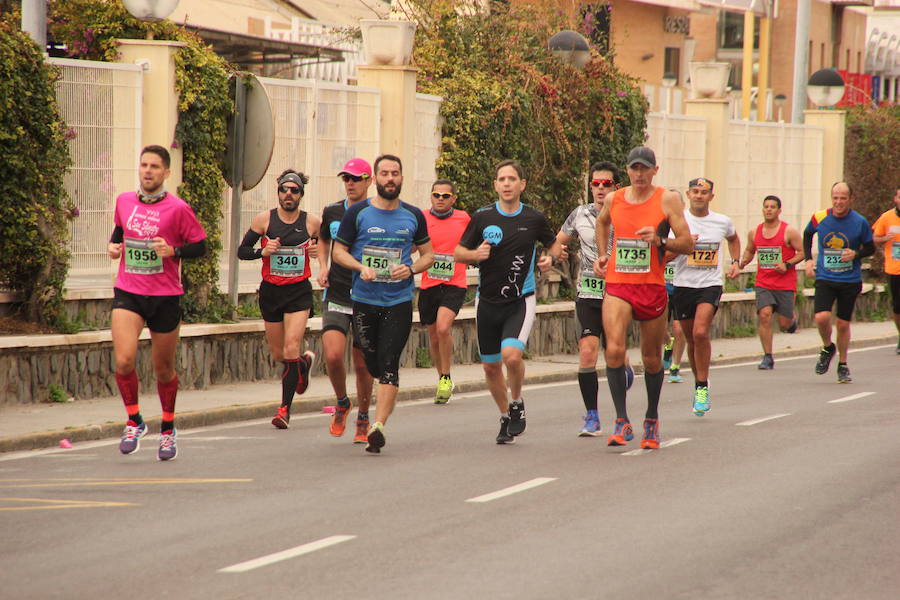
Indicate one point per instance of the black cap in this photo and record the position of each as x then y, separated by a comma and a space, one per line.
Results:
643, 155
701, 182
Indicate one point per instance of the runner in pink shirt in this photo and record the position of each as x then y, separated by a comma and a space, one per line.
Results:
154, 231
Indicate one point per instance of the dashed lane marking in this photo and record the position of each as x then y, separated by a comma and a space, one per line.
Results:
287, 554
514, 489
752, 422
849, 398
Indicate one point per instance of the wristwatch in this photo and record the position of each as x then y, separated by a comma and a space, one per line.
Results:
662, 242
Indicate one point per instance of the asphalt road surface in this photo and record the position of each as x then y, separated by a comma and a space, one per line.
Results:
788, 488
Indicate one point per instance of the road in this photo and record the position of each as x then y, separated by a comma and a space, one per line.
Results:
788, 488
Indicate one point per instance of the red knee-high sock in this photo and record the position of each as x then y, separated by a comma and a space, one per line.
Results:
128, 388
167, 392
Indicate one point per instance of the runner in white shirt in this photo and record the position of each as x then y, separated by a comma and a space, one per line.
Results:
698, 281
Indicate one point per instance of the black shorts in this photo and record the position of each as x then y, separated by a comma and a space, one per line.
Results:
843, 291
162, 313
589, 318
381, 333
686, 299
501, 325
431, 299
337, 316
276, 300
894, 281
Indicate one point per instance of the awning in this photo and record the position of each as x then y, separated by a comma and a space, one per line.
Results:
246, 49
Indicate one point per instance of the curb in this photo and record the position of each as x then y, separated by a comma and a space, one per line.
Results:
227, 414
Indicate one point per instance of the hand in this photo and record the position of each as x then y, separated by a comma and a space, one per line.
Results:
312, 250
323, 277
401, 272
847, 255
810, 269
114, 250
781, 268
163, 250
648, 234
483, 251
564, 255
600, 266
734, 271
544, 263
367, 274
271, 247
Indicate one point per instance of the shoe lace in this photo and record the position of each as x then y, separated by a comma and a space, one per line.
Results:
131, 432
650, 429
167, 441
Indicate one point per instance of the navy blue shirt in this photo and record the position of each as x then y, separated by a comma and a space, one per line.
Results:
834, 235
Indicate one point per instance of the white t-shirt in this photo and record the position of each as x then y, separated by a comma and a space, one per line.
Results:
703, 267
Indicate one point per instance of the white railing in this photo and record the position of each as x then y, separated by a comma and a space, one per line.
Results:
680, 146
427, 146
101, 106
317, 33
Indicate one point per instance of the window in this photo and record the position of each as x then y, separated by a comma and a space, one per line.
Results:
731, 31
672, 63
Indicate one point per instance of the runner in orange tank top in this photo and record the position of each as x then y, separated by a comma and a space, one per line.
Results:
641, 216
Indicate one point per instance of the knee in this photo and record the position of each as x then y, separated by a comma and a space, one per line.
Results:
443, 330
843, 326
823, 318
701, 335
765, 318
125, 365
492, 369
291, 349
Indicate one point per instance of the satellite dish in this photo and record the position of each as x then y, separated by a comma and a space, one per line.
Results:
258, 134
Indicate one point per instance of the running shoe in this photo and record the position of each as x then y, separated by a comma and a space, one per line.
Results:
667, 354
362, 431
308, 357
701, 401
505, 437
793, 327
674, 377
167, 448
444, 389
843, 373
339, 417
282, 418
516, 417
375, 438
629, 377
591, 426
131, 437
651, 434
767, 363
622, 434
825, 356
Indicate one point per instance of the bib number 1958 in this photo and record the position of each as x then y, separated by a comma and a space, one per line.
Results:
141, 258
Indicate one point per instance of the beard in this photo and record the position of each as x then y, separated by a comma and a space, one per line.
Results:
388, 195
292, 205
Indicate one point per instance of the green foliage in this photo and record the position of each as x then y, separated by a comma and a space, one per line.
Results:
506, 96
740, 331
57, 394
423, 358
89, 29
249, 310
33, 202
870, 157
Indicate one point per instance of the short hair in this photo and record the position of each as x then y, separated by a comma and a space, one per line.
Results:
396, 159
438, 182
160, 152
520, 170
847, 183
303, 176
774, 199
607, 166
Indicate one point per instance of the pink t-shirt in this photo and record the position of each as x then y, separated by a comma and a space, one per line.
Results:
141, 271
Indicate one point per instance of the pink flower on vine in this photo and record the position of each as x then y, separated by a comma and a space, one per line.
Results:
71, 134
621, 94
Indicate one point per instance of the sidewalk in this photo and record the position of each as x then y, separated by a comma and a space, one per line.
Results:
31, 426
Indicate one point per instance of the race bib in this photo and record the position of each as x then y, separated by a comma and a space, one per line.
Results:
704, 256
340, 308
591, 286
895, 250
669, 272
831, 259
288, 261
632, 256
381, 260
141, 258
442, 269
769, 257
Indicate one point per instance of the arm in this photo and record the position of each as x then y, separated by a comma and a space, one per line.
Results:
683, 242
424, 262
340, 254
258, 226
749, 250
472, 256
114, 247
324, 252
807, 253
734, 250
601, 233
793, 239
555, 250
313, 225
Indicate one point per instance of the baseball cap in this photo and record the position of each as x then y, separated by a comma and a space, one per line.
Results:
643, 155
357, 167
701, 182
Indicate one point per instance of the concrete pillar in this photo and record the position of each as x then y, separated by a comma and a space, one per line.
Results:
834, 124
398, 115
747, 72
717, 115
762, 95
160, 100
892, 89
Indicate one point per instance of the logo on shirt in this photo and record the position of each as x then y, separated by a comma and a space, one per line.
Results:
375, 229
333, 228
404, 231
492, 235
523, 229
836, 240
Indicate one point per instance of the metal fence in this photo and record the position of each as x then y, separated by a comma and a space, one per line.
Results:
101, 106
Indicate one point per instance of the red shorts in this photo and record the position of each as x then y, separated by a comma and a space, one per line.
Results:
647, 300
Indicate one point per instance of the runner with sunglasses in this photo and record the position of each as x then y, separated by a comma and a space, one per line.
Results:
285, 294
886, 231
443, 286
581, 225
337, 308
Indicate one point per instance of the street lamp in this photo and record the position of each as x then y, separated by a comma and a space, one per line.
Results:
570, 47
150, 10
780, 100
825, 88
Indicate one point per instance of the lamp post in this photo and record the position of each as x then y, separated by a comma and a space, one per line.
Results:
669, 80
570, 47
150, 10
780, 100
825, 88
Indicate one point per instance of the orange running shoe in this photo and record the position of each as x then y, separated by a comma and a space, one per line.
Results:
308, 357
622, 434
651, 434
282, 418
362, 431
339, 419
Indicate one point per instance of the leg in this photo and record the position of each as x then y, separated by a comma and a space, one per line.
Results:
678, 346
163, 348
444, 334
275, 340
823, 324
843, 339
394, 327
496, 382
364, 380
126, 329
434, 348
652, 332
515, 370
687, 328
617, 316
700, 335
765, 328
334, 345
588, 351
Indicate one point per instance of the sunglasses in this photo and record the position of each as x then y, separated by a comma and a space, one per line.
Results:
439, 196
354, 178
285, 189
603, 183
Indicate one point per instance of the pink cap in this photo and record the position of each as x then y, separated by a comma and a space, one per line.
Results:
357, 167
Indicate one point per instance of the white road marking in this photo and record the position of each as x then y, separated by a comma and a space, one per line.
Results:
761, 420
515, 489
286, 554
853, 397
665, 444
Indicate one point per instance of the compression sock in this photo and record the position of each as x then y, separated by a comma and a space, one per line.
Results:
128, 388
654, 383
616, 378
289, 378
587, 383
167, 392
